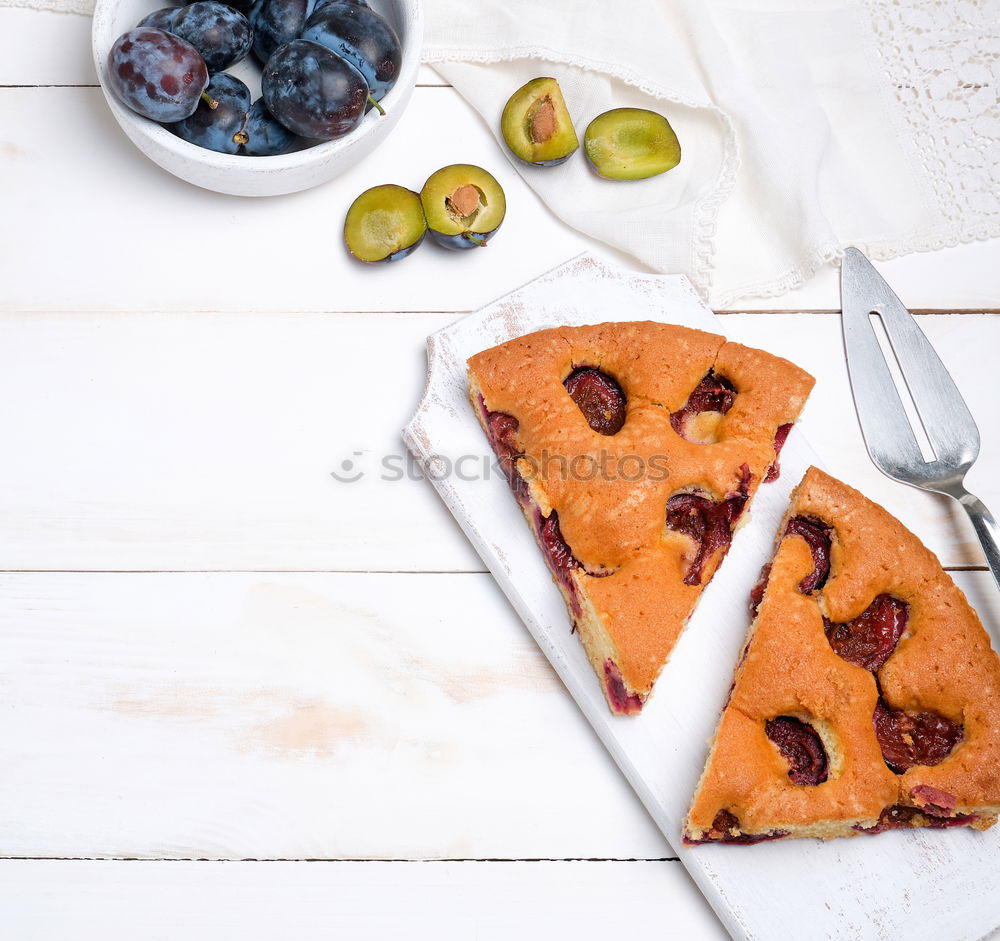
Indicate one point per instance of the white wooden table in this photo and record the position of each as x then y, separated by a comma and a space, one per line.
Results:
237, 697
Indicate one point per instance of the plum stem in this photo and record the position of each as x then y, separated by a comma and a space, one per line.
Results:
376, 105
209, 100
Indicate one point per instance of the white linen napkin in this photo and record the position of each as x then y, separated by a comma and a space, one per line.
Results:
805, 125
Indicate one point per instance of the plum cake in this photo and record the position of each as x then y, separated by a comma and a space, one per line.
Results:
633, 450
867, 696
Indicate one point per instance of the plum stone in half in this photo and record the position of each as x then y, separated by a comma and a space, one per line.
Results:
536, 124
464, 206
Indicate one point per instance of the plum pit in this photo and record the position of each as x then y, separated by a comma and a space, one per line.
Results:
464, 202
542, 121
536, 124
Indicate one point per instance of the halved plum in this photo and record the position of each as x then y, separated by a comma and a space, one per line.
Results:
631, 144
870, 639
707, 523
599, 397
819, 538
801, 746
908, 739
726, 829
536, 124
464, 206
385, 223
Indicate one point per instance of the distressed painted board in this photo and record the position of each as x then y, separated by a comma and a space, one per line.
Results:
40, 47
132, 237
886, 886
293, 715
191, 441
364, 901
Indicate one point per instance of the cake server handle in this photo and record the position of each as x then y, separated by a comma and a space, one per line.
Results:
986, 529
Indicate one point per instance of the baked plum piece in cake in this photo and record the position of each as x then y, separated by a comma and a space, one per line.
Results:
867, 697
634, 450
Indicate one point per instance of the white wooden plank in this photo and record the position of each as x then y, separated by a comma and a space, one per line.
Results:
123, 223
132, 237
205, 442
39, 47
300, 716
293, 716
961, 277
160, 901
197, 441
428, 75
43, 48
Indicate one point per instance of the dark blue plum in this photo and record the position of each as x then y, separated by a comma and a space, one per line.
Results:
157, 74
323, 3
219, 128
265, 135
312, 91
221, 34
244, 6
276, 22
161, 19
362, 37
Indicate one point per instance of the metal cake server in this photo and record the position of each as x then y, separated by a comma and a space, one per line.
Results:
943, 414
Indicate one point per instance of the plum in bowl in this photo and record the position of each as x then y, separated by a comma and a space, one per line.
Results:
307, 164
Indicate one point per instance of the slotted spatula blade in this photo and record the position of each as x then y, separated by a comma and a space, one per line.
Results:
943, 415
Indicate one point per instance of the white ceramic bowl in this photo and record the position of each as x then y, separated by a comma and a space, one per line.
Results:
257, 176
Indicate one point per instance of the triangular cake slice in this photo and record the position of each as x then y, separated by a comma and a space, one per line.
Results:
867, 697
633, 450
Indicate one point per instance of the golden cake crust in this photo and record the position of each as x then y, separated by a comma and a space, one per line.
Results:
942, 663
615, 522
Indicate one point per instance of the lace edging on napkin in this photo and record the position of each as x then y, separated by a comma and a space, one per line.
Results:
935, 100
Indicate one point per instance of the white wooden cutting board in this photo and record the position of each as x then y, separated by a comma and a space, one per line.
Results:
916, 884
